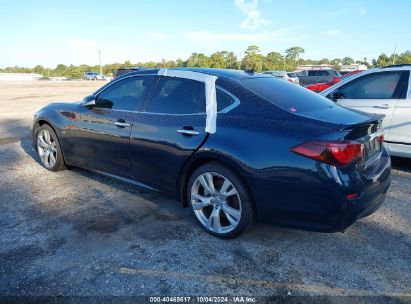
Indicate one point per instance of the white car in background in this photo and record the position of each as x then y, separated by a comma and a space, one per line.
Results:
93, 76
382, 91
289, 76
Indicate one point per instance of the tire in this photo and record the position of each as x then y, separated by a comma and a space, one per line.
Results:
224, 207
48, 149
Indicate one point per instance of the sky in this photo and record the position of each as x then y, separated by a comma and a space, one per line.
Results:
71, 32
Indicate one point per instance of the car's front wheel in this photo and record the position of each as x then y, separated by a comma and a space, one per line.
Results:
220, 201
48, 149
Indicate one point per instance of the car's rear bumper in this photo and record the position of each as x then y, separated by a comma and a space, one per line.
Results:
314, 201
367, 203
335, 221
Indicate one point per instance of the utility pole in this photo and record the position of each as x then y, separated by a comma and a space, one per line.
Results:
395, 49
99, 59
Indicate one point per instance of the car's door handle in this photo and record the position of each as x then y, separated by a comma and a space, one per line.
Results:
382, 106
188, 132
122, 124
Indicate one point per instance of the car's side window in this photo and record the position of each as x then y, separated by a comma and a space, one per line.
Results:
312, 73
127, 94
223, 100
322, 73
178, 96
381, 85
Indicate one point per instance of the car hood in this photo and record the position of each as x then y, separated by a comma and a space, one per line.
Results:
59, 107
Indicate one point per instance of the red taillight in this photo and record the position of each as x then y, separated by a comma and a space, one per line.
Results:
336, 153
290, 80
381, 138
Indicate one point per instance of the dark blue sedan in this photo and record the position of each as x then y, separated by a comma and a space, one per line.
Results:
234, 146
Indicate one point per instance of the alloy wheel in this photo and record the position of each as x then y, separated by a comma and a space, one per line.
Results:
216, 202
46, 148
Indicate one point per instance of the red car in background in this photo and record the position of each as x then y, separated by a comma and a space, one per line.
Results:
319, 87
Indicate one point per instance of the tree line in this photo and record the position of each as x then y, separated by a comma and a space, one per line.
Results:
253, 59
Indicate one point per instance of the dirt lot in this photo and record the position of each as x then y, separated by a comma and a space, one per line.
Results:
78, 233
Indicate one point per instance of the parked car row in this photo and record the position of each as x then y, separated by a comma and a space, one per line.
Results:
316, 80
321, 86
318, 76
289, 76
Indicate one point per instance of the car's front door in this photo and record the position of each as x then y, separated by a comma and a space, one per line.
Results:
101, 136
374, 93
168, 130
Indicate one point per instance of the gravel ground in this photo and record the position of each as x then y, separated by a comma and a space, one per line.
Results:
77, 233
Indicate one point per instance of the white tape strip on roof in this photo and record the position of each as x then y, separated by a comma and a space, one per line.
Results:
210, 93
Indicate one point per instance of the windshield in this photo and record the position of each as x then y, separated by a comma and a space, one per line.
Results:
289, 97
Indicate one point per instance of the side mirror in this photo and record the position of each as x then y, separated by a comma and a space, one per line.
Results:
89, 101
335, 95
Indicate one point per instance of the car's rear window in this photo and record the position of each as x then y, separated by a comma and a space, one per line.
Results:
292, 75
123, 71
287, 96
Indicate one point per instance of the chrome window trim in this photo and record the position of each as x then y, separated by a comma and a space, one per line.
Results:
235, 104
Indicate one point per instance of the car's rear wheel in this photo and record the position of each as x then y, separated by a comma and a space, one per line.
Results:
48, 149
220, 201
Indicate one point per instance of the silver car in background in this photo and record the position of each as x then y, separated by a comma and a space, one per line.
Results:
289, 76
93, 76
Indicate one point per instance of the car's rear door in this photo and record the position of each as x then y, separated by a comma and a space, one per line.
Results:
168, 130
323, 76
377, 92
400, 131
312, 77
101, 137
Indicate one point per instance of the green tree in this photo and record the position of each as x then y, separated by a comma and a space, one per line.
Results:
198, 60
274, 61
347, 60
60, 70
405, 58
217, 60
383, 60
294, 52
231, 61
253, 60
39, 69
179, 62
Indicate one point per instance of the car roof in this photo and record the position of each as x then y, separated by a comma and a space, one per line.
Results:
276, 71
228, 73
132, 68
